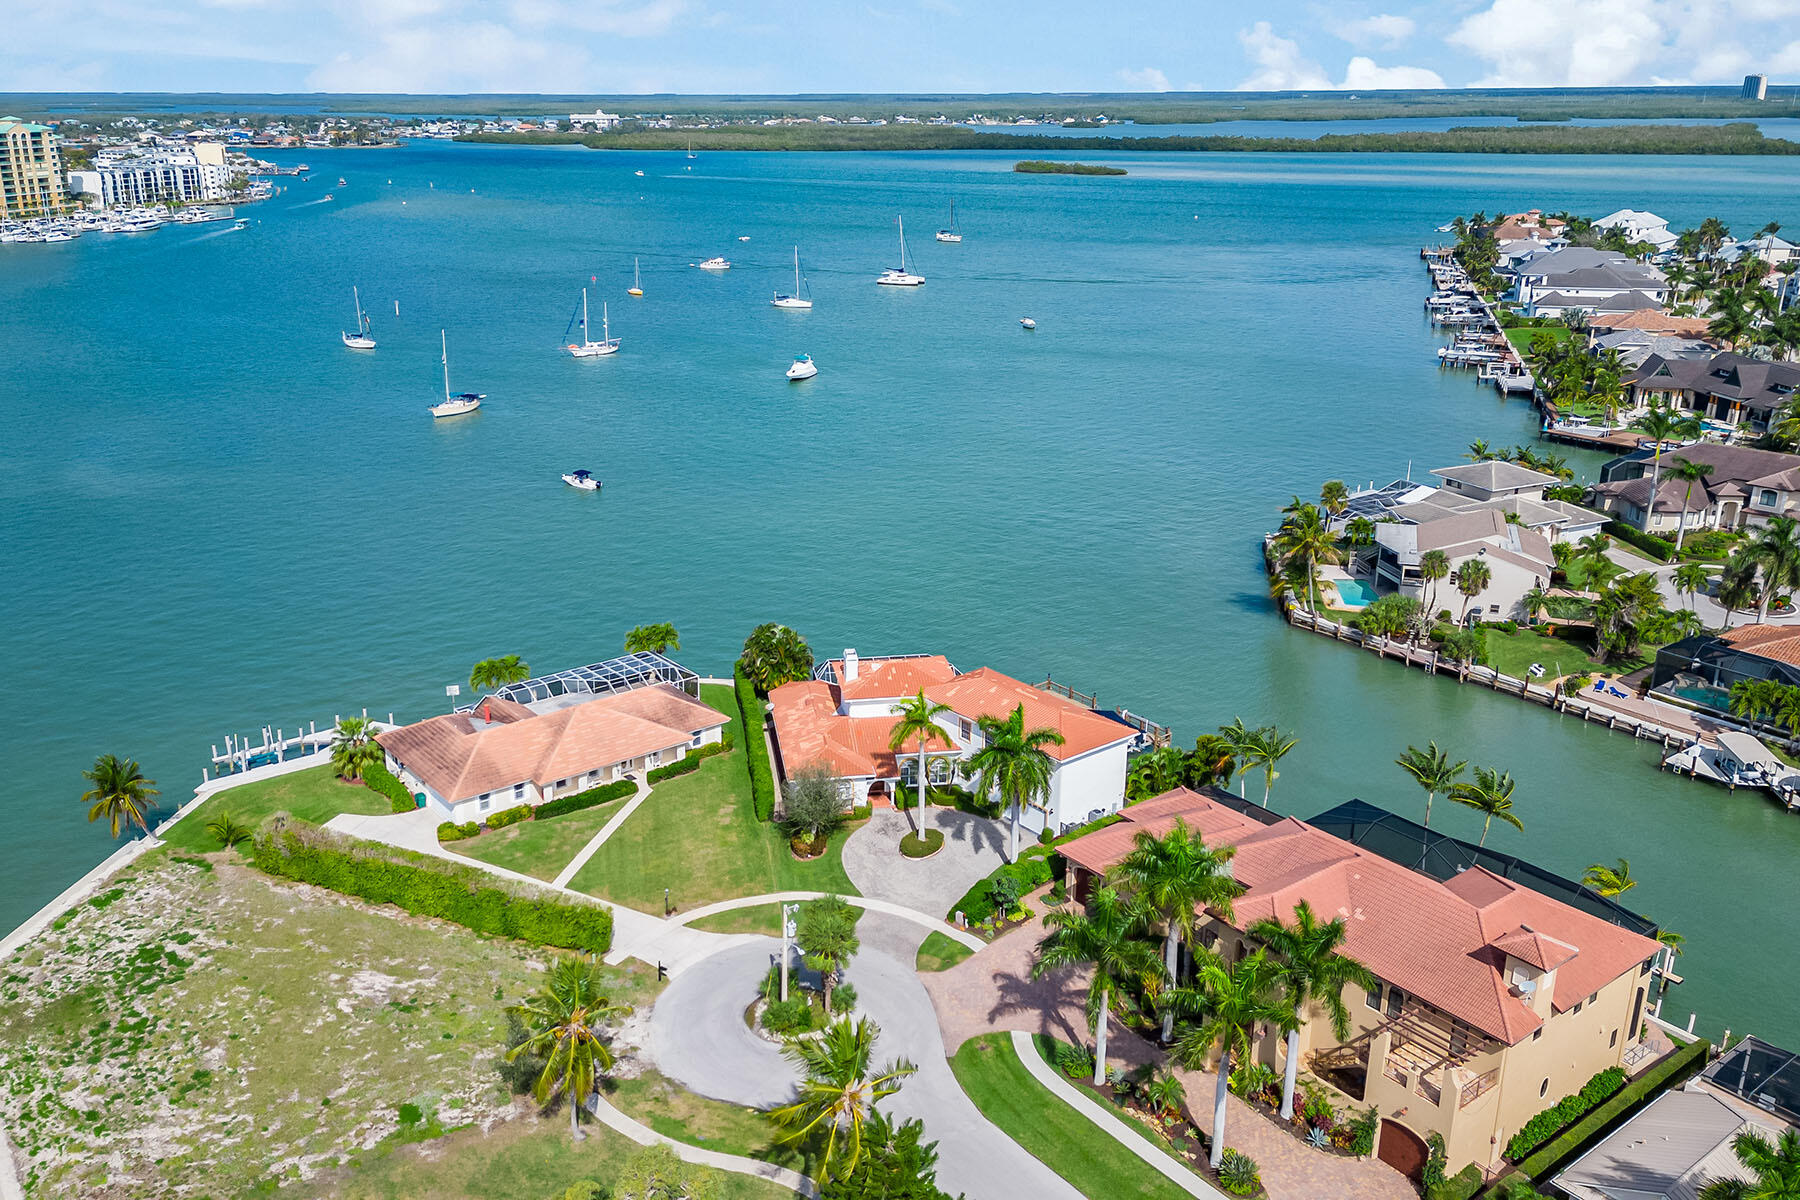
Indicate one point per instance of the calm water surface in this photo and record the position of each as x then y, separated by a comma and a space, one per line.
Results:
215, 517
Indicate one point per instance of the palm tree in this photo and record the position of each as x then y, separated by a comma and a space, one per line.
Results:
1480, 451
1360, 532
1231, 1003
1434, 566
1303, 539
774, 655
1737, 583
1610, 881
1268, 746
491, 673
917, 718
1490, 794
1432, 769
658, 638
1238, 737
1314, 969
354, 748
1013, 762
1472, 579
1175, 876
1691, 579
120, 793
826, 933
838, 1091
1534, 602
1665, 424
1104, 937
1690, 473
562, 1026
1732, 319
1775, 1165
1334, 497
1776, 551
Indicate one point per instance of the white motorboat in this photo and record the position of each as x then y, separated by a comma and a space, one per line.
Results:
803, 368
329, 196
715, 263
587, 347
745, 238
952, 234
900, 276
581, 479
360, 340
639, 174
800, 298
341, 182
1028, 322
637, 285
454, 406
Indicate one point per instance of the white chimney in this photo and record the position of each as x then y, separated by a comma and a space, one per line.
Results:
849, 665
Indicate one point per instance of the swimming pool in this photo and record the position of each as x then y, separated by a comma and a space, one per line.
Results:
1355, 593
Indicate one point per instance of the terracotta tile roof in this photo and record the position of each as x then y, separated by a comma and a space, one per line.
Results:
987, 693
1779, 642
810, 732
891, 678
1444, 943
1651, 320
502, 743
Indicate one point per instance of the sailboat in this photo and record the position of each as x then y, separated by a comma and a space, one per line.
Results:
898, 276
360, 340
952, 234
691, 154
454, 406
637, 286
799, 299
587, 347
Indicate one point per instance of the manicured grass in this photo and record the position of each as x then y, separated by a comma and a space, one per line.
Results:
698, 837
758, 918
940, 952
315, 794
1521, 337
1058, 1136
677, 1113
1513, 653
540, 848
723, 697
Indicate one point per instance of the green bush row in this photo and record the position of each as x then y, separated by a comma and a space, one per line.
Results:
1668, 1073
756, 749
428, 888
380, 779
681, 766
1026, 875
1661, 549
947, 795
1564, 1112
603, 794
450, 831
510, 816
1460, 1186
914, 846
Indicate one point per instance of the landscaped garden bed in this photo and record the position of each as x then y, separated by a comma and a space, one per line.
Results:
1316, 1120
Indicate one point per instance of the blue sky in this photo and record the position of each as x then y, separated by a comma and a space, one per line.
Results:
612, 46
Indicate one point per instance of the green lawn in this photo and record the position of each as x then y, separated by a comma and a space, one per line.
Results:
675, 1112
540, 848
1521, 337
940, 952
315, 794
758, 918
1513, 653
1058, 1136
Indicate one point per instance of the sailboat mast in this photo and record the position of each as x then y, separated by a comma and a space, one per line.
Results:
445, 339
605, 324
901, 221
587, 333
796, 270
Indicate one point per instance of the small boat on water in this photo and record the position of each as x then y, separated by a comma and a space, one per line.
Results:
341, 182
803, 368
329, 196
1028, 322
900, 276
952, 234
581, 479
800, 299
587, 347
360, 340
744, 238
637, 286
241, 223
454, 406
715, 263
639, 174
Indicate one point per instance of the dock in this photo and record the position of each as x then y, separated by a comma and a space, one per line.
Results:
274, 745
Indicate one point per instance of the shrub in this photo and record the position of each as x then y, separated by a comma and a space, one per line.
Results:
410, 1114
1670, 1072
913, 846
1251, 1079
450, 831
1046, 836
784, 1017
1432, 1175
813, 808
1661, 549
862, 812
1460, 1186
427, 887
1564, 1112
1238, 1173
1363, 1128
1029, 873
1445, 614
689, 762
380, 779
1469, 645
604, 794
509, 816
756, 757
843, 998
1073, 1061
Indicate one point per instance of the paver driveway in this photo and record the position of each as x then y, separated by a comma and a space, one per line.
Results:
973, 847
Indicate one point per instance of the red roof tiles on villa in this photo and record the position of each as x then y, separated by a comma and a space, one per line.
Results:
987, 693
1442, 942
891, 678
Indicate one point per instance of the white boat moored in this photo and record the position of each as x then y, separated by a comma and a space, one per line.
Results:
803, 368
454, 406
1028, 323
581, 479
800, 299
715, 263
360, 340
900, 276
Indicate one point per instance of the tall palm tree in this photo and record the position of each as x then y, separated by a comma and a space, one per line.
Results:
916, 717
1334, 497
1665, 424
1472, 579
1737, 583
120, 793
657, 638
353, 747
491, 673
1434, 567
838, 1090
1104, 937
1229, 1002
1360, 532
1776, 552
1689, 473
1176, 877
1690, 579
1314, 970
1775, 1167
1490, 794
1013, 762
1304, 540
1732, 319
1267, 747
563, 1027
1238, 737
1432, 769
1610, 881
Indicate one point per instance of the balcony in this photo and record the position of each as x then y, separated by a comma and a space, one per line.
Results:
1479, 1087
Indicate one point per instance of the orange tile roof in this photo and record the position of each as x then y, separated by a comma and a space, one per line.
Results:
1443, 942
1651, 320
987, 693
891, 678
810, 732
463, 755
1779, 642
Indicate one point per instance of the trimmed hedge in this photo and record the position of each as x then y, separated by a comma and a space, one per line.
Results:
603, 794
1460, 1186
509, 816
428, 888
1661, 549
756, 756
1565, 1112
1029, 873
450, 831
690, 762
948, 795
1670, 1072
380, 779
913, 846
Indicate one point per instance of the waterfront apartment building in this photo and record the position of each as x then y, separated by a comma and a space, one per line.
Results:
1500, 988
31, 177
191, 174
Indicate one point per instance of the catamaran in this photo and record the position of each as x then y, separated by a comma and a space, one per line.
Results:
899, 276
803, 368
801, 297
952, 234
637, 285
454, 406
587, 347
360, 340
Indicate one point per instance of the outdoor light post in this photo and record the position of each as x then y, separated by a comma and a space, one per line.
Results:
788, 930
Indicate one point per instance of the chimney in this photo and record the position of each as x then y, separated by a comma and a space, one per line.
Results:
849, 665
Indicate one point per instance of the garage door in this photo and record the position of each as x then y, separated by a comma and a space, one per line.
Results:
1403, 1150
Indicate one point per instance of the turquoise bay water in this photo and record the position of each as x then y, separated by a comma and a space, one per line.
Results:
215, 517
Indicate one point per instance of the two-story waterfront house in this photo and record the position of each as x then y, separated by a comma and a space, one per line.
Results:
1746, 488
1581, 279
1518, 559
1730, 388
1500, 988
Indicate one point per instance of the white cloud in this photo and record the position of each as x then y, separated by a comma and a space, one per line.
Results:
1382, 29
1144, 79
475, 57
1363, 75
1281, 67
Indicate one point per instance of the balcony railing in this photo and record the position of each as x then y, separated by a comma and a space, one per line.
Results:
1429, 1090
1480, 1087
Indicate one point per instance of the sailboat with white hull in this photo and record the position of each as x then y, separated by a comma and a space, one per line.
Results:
952, 234
587, 347
801, 297
454, 406
900, 276
360, 340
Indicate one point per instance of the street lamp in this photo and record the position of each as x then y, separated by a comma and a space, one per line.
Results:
788, 930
